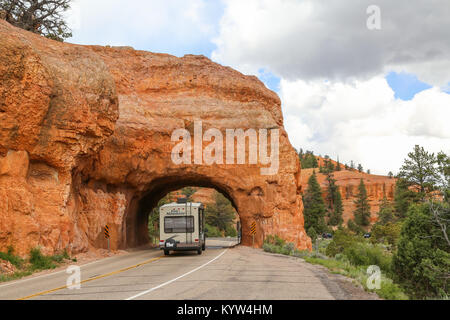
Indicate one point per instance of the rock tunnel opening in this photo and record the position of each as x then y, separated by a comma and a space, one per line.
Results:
137, 219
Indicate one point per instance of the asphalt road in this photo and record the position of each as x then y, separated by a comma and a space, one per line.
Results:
238, 273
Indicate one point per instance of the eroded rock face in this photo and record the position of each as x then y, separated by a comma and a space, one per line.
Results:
57, 107
348, 181
85, 140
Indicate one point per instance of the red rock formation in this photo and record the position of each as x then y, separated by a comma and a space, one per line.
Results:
348, 182
85, 140
204, 195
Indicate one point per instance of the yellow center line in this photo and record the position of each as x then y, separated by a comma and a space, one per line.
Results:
92, 279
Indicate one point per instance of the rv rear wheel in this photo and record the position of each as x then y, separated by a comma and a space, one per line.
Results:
199, 251
166, 252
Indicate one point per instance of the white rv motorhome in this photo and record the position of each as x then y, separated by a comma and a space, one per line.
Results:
182, 227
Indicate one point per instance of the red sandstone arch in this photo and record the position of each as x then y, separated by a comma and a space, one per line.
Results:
86, 141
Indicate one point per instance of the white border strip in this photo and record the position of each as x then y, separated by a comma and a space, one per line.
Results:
34, 277
173, 280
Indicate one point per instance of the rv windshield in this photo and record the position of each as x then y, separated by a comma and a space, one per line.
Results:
178, 224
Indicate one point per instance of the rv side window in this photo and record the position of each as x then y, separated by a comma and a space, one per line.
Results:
178, 224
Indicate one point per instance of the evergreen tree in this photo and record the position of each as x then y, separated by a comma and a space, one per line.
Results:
336, 215
312, 233
403, 198
368, 171
443, 162
307, 159
331, 190
390, 174
421, 262
221, 213
314, 205
352, 165
386, 213
360, 168
352, 226
346, 166
314, 163
362, 212
419, 170
188, 192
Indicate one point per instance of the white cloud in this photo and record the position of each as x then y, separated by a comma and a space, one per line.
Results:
363, 122
177, 26
318, 39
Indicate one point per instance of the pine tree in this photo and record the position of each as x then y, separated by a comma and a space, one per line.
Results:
362, 212
221, 213
331, 190
419, 170
314, 162
360, 168
338, 166
390, 174
386, 213
336, 215
404, 197
314, 205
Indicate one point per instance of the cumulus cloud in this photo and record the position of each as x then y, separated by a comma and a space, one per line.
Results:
362, 121
177, 27
319, 54
318, 39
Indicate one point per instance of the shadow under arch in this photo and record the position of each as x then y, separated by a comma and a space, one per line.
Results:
137, 217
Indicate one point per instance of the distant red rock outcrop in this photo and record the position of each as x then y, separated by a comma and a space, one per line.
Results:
348, 182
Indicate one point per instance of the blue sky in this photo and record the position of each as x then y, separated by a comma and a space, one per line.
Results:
345, 89
406, 85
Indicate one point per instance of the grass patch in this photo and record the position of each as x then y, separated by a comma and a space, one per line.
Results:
17, 275
351, 259
9, 256
388, 290
40, 262
35, 262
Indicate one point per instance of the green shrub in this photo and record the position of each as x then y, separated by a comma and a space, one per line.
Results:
390, 291
212, 232
421, 263
230, 231
301, 254
275, 240
342, 239
9, 256
366, 254
40, 262
59, 258
312, 233
288, 249
387, 234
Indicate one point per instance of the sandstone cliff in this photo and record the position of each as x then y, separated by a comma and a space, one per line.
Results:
85, 141
348, 182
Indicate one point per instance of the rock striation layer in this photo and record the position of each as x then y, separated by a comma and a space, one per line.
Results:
85, 141
348, 181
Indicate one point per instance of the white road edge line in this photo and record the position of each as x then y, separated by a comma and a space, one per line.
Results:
57, 272
173, 280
